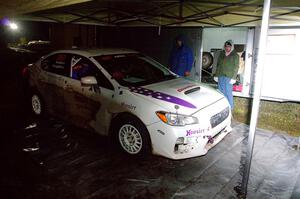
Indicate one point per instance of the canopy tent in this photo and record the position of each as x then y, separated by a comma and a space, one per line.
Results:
219, 13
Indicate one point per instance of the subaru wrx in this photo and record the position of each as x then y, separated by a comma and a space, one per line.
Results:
135, 99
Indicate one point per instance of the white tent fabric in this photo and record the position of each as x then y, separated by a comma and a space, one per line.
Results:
218, 13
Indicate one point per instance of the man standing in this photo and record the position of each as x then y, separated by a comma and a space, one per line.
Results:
181, 59
227, 68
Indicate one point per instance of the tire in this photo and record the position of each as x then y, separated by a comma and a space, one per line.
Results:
132, 136
37, 104
207, 60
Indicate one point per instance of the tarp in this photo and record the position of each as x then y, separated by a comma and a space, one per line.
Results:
84, 165
152, 13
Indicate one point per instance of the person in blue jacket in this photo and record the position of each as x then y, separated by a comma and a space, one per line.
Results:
181, 58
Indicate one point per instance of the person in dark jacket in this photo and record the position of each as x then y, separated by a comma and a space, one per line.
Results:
181, 58
226, 72
80, 70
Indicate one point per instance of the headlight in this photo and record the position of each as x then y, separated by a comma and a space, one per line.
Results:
175, 119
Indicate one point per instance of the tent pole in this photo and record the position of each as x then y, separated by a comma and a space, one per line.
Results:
257, 91
199, 78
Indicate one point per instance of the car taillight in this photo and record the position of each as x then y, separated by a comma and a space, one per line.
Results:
25, 72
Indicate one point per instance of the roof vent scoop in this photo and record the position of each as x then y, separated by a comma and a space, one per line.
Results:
192, 90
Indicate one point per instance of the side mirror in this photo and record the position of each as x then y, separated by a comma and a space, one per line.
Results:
88, 81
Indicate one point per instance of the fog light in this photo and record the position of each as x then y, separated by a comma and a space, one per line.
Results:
180, 140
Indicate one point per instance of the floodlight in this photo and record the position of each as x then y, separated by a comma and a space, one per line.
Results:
13, 26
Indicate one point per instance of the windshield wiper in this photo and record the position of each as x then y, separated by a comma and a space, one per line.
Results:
168, 77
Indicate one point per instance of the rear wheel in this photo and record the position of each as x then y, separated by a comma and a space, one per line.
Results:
37, 104
132, 136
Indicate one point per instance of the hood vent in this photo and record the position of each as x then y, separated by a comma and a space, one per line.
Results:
192, 90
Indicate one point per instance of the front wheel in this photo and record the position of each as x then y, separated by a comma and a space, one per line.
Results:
133, 136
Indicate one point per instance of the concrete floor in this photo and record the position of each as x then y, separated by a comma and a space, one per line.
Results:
56, 161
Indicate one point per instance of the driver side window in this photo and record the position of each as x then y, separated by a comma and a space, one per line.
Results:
79, 68
82, 67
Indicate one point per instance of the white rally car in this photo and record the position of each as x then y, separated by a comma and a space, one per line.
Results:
123, 93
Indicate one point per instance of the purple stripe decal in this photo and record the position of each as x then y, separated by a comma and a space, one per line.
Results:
161, 96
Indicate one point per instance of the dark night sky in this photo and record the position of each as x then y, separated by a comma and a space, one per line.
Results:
29, 30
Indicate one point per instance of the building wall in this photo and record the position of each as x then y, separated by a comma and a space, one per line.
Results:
63, 35
215, 37
281, 68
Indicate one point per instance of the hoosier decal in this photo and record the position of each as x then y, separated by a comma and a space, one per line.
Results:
196, 131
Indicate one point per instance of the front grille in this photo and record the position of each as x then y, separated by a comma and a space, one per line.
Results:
219, 117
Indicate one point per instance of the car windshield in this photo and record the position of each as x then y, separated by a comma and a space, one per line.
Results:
134, 69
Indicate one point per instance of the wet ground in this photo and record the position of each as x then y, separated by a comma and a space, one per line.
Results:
46, 158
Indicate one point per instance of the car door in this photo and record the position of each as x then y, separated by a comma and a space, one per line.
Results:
51, 83
87, 106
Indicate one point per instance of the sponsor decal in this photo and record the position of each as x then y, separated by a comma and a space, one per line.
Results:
161, 96
196, 131
184, 88
210, 139
161, 132
129, 106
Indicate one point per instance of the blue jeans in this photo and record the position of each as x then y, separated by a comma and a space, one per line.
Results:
226, 88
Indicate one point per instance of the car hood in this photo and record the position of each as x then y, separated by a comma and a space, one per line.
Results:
180, 95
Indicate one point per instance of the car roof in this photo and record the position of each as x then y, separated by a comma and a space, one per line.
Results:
91, 52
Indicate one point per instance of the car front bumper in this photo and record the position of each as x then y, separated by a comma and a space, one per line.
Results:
180, 142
